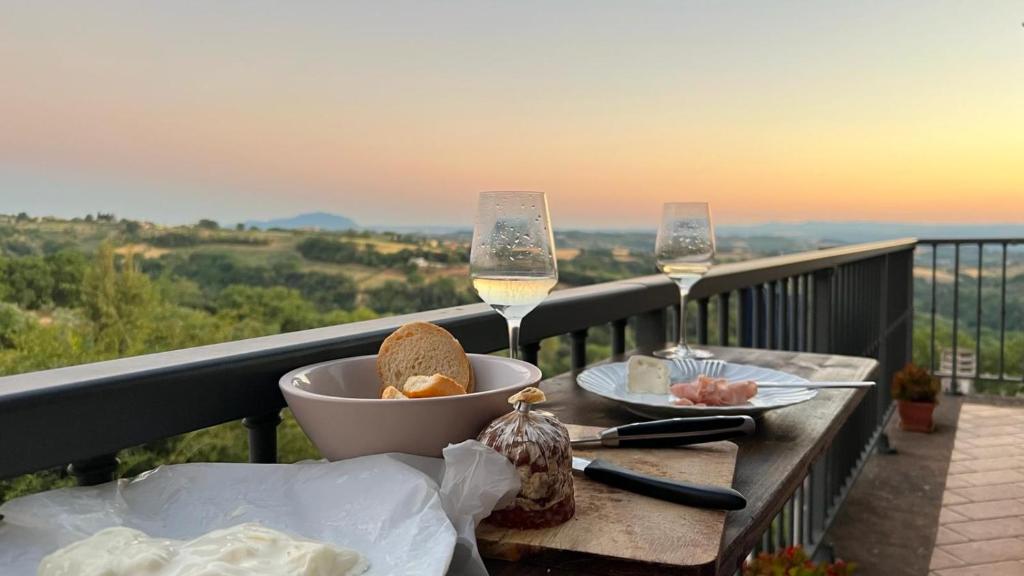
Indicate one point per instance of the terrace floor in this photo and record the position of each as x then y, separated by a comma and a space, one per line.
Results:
981, 526
888, 523
950, 503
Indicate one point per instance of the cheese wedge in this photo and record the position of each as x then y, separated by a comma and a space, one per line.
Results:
646, 375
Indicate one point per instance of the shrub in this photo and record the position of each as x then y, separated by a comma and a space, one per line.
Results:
915, 384
793, 561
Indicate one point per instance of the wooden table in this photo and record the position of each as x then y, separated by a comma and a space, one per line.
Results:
771, 464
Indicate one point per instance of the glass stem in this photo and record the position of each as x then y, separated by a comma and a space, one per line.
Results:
513, 337
682, 319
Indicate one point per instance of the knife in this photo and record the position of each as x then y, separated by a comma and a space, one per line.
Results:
696, 495
815, 385
672, 432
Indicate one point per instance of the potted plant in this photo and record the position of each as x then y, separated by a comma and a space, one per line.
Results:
793, 561
917, 392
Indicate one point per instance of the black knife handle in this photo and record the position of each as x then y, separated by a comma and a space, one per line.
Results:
698, 496
696, 430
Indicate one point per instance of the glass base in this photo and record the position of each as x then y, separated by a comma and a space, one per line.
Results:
683, 352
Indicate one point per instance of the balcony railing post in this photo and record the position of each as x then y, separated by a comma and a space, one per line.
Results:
1002, 319
723, 318
954, 382
263, 437
977, 315
803, 314
821, 323
96, 470
746, 317
529, 351
619, 337
935, 257
785, 323
702, 321
578, 350
651, 328
759, 316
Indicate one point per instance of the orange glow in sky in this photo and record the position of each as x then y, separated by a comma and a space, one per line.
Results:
399, 112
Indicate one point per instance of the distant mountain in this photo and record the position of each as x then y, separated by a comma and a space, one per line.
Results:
870, 231
427, 229
312, 220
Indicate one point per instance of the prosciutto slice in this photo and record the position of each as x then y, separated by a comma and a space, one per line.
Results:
708, 391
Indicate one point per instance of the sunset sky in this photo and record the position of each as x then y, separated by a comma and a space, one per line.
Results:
399, 112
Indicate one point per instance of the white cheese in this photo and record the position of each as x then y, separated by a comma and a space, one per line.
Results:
647, 375
245, 549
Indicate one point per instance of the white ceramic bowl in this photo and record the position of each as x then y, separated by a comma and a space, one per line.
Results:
337, 404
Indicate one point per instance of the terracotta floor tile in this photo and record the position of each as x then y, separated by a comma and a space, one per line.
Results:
948, 516
1001, 440
987, 551
990, 509
998, 569
992, 452
998, 430
960, 456
957, 482
947, 536
989, 529
950, 498
986, 493
990, 477
960, 468
962, 442
984, 464
942, 559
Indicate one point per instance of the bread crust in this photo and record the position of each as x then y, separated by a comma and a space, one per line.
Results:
414, 336
392, 393
432, 386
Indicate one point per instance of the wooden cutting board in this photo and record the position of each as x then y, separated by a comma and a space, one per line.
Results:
614, 524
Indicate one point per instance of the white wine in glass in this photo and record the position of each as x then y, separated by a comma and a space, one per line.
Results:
684, 250
512, 259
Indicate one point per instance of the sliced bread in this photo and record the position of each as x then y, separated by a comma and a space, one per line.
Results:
420, 348
432, 386
392, 393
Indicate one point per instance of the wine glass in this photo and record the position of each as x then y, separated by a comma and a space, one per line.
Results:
684, 250
512, 259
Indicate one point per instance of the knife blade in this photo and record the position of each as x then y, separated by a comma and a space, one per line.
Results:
815, 385
696, 495
672, 432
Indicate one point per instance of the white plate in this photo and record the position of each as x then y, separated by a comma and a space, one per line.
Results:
609, 380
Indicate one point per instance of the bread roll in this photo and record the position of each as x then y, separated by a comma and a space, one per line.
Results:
420, 348
432, 386
392, 393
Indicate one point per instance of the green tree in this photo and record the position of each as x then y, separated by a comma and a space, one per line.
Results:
67, 269
28, 282
117, 302
207, 224
13, 323
131, 227
277, 308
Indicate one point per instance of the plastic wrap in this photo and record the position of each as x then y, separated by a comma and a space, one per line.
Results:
409, 515
538, 445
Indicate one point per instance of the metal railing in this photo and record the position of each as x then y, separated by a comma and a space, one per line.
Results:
853, 300
950, 367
